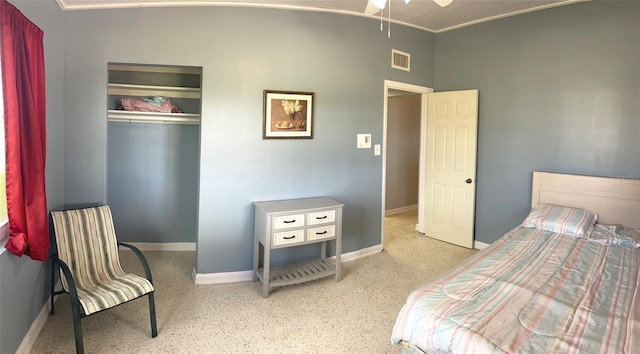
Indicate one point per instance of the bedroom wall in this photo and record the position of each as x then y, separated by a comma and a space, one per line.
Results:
343, 59
559, 92
403, 151
24, 283
152, 181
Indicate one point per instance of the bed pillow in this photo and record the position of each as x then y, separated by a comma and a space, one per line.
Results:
615, 235
563, 220
633, 237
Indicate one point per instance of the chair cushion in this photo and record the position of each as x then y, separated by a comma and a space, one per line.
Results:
113, 292
87, 243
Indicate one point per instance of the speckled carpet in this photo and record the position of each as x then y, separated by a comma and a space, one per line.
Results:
355, 315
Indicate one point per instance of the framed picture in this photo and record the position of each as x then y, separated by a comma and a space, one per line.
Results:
287, 115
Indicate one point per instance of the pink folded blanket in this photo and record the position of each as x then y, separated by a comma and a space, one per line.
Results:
151, 104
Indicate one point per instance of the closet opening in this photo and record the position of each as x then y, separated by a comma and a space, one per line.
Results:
153, 153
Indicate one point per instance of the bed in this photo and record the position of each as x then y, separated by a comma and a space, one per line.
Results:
567, 280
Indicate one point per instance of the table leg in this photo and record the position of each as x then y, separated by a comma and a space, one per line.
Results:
338, 256
256, 259
265, 273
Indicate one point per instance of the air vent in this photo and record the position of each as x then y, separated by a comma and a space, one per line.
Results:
400, 60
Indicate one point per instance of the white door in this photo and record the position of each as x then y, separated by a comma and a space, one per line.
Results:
452, 128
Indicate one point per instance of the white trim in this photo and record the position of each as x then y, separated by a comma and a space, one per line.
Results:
247, 275
36, 326
352, 256
163, 246
401, 210
480, 245
510, 14
394, 85
176, 3
422, 164
221, 278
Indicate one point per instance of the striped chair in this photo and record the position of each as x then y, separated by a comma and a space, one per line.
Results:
90, 270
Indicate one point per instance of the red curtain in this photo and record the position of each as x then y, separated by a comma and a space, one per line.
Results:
23, 84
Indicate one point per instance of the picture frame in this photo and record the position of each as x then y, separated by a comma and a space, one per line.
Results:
288, 115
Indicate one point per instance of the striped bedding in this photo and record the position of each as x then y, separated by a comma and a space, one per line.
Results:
532, 291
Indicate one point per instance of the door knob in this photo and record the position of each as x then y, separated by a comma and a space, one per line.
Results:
469, 180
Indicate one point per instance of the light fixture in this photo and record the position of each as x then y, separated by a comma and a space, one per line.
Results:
382, 3
379, 3
374, 6
442, 3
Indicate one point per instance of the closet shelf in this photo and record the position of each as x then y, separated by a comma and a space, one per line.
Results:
149, 90
180, 84
156, 68
152, 117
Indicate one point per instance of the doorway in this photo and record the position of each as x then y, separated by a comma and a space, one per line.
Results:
403, 92
447, 162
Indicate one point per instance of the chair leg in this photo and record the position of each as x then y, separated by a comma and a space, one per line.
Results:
77, 327
53, 277
152, 313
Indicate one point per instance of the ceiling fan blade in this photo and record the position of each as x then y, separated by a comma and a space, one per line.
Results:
371, 9
443, 3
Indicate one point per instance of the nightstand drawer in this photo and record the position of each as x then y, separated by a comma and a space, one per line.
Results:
288, 221
320, 233
288, 237
321, 217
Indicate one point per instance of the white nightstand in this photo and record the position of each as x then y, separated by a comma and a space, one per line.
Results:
296, 222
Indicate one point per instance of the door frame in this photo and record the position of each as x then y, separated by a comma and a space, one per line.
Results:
424, 91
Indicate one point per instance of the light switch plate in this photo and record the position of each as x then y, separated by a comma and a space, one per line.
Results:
376, 149
364, 141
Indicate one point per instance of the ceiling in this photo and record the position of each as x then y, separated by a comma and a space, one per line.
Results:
423, 14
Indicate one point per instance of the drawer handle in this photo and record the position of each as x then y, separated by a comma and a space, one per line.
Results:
289, 237
289, 222
321, 217
321, 233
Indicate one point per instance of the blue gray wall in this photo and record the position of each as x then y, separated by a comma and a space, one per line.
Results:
559, 92
24, 283
152, 181
344, 60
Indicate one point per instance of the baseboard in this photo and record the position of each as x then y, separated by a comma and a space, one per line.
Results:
480, 245
247, 275
352, 256
221, 278
400, 210
36, 326
163, 246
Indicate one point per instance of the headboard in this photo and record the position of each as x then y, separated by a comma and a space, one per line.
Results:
616, 200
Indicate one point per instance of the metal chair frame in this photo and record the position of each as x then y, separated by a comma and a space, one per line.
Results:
78, 315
